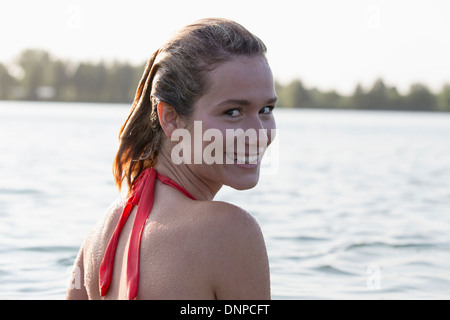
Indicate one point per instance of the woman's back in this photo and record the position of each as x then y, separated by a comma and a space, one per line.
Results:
184, 251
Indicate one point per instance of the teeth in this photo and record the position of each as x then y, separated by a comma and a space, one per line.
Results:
251, 159
243, 159
231, 156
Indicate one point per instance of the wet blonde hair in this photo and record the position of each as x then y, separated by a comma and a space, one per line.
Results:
177, 74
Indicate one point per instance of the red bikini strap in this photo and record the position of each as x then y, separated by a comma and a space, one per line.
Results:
173, 184
143, 196
144, 207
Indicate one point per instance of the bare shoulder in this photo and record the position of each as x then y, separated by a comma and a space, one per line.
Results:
224, 212
97, 240
237, 253
91, 252
229, 225
237, 223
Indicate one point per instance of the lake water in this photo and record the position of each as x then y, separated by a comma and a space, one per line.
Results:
353, 205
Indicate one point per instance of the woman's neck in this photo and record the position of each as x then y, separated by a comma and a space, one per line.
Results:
201, 189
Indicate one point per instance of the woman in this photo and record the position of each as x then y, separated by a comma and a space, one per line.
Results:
213, 73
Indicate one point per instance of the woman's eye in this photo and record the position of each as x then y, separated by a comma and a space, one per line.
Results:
267, 110
233, 113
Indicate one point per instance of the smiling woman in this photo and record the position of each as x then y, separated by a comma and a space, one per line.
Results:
214, 73
238, 110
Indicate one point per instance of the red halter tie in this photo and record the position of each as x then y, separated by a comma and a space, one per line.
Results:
142, 195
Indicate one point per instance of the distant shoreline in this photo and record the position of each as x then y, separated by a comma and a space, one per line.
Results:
39, 76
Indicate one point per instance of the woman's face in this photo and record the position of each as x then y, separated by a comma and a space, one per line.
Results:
235, 121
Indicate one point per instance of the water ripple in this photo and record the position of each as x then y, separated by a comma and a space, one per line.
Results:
25, 191
50, 249
329, 269
364, 245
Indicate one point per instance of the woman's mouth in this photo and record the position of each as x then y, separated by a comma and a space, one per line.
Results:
243, 159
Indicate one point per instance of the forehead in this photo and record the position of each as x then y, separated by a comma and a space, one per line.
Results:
248, 78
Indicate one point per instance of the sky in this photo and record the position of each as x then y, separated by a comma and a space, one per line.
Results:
328, 44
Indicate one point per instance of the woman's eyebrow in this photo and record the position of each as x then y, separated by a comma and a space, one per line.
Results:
240, 102
244, 102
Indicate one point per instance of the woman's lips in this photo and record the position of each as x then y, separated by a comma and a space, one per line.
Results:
243, 159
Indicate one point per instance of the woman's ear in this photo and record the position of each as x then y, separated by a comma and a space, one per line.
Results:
168, 118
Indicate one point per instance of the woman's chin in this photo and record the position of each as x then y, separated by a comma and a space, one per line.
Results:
244, 182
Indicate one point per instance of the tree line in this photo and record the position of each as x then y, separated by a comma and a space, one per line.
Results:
37, 75
377, 97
